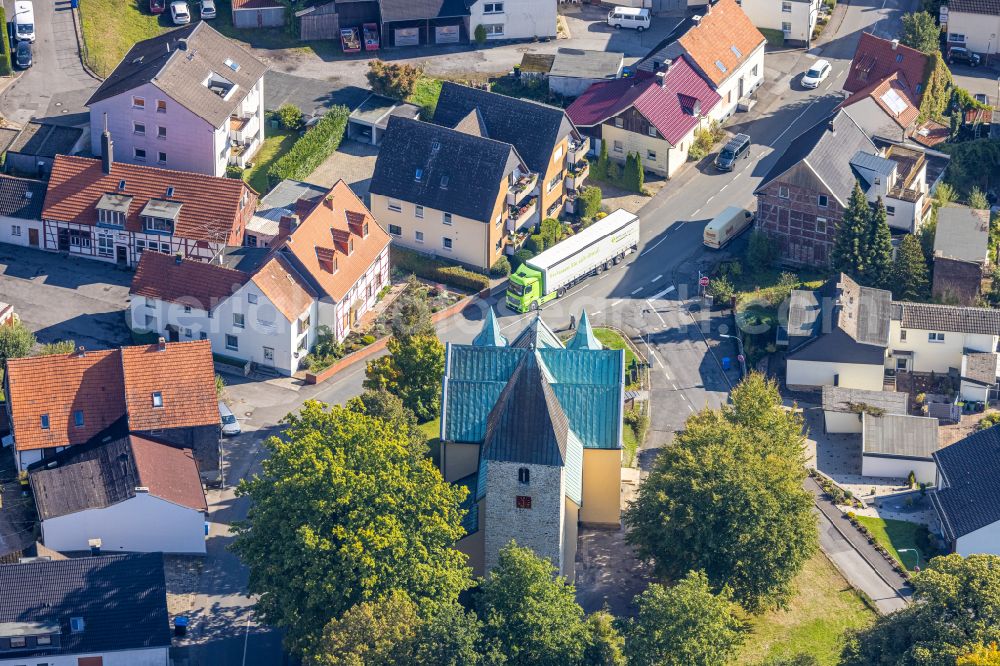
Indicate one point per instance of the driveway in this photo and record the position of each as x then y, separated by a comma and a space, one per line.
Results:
56, 87
978, 80
64, 298
353, 162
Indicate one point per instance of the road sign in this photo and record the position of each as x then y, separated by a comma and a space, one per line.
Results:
703, 281
740, 358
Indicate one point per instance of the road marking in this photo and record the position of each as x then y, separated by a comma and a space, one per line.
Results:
246, 638
596, 313
653, 247
690, 407
636, 290
653, 307
657, 278
662, 293
616, 303
683, 397
709, 200
725, 186
697, 211
655, 357
809, 106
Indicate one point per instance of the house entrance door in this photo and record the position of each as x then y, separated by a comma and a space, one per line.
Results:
173, 333
121, 255
268, 357
64, 240
33, 237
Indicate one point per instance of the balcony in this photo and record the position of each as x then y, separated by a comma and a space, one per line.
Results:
243, 130
576, 174
577, 150
521, 188
522, 214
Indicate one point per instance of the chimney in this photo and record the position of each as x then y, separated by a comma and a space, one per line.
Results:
182, 44
895, 44
81, 351
95, 546
107, 148
328, 202
287, 224
178, 259
660, 78
829, 126
696, 19
162, 344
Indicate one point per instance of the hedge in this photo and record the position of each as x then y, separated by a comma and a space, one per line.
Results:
430, 268
5, 67
312, 148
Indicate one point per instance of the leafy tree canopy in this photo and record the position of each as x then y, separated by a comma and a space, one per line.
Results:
16, 341
956, 610
910, 281
920, 32
392, 79
412, 370
346, 509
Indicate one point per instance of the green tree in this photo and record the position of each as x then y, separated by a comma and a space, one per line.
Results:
529, 613
945, 194
850, 248
590, 201
605, 645
61, 347
345, 509
412, 370
633, 176
920, 32
480, 34
909, 271
600, 168
721, 290
383, 405
983, 655
290, 116
934, 102
392, 79
16, 341
977, 199
878, 270
761, 251
727, 498
394, 630
956, 610
683, 625
500, 268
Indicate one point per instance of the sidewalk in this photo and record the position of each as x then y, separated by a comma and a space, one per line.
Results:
859, 562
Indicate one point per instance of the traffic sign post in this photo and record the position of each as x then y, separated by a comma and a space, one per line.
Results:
703, 281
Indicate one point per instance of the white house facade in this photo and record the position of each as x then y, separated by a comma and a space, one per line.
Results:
974, 25
514, 19
746, 79
967, 499
159, 656
794, 18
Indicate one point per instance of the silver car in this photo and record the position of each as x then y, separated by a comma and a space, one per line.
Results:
230, 426
179, 12
207, 9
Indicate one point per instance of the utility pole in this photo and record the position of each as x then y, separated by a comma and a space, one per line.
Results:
742, 357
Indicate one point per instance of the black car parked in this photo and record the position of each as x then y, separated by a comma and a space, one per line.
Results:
962, 55
23, 55
737, 147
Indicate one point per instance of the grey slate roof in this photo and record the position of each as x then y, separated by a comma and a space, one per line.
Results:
839, 399
971, 472
804, 312
900, 436
533, 128
944, 318
178, 62
121, 598
582, 64
407, 10
21, 197
668, 50
962, 233
527, 423
988, 7
459, 173
45, 139
824, 149
869, 167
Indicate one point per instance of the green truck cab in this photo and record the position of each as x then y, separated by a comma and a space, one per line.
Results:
524, 289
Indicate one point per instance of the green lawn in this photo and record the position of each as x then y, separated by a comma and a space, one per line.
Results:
277, 142
613, 340
425, 95
630, 446
431, 430
823, 608
110, 28
896, 535
773, 37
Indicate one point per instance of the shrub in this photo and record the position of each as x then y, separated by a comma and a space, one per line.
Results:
5, 67
61, 347
761, 251
704, 140
395, 80
430, 268
991, 419
599, 169
312, 148
721, 289
614, 172
633, 177
480, 34
535, 243
520, 257
234, 172
590, 201
290, 116
636, 419
500, 268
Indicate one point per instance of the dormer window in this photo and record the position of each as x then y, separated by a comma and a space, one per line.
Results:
350, 246
159, 216
157, 399
112, 209
17, 641
220, 85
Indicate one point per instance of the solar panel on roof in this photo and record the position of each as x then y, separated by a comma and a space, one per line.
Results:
894, 101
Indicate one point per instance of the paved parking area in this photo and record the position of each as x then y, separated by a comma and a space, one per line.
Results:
978, 80
353, 162
63, 298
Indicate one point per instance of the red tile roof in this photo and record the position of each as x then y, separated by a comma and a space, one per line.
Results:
169, 472
668, 106
256, 4
326, 228
104, 385
210, 210
879, 91
57, 386
722, 29
931, 133
283, 286
183, 374
876, 58
188, 282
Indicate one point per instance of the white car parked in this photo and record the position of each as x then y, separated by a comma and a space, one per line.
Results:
179, 12
816, 74
207, 9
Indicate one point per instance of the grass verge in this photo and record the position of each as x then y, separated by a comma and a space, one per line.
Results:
900, 535
111, 28
773, 37
611, 339
823, 608
431, 430
277, 142
425, 95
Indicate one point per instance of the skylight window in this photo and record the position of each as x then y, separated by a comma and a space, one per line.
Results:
722, 68
418, 175
78, 418
76, 625
736, 51
157, 399
45, 421
232, 64
444, 182
899, 57
121, 184
170, 191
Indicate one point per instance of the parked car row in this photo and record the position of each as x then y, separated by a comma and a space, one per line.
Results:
21, 33
180, 14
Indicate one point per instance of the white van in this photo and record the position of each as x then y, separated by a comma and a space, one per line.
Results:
24, 21
726, 226
629, 17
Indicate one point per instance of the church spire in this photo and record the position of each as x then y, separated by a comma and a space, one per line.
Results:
584, 338
490, 336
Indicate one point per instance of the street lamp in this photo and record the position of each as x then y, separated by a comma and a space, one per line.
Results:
742, 357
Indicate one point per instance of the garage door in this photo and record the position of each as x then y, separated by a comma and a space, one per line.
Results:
446, 34
669, 5
406, 36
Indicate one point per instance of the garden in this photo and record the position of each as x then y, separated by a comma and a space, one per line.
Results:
909, 544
